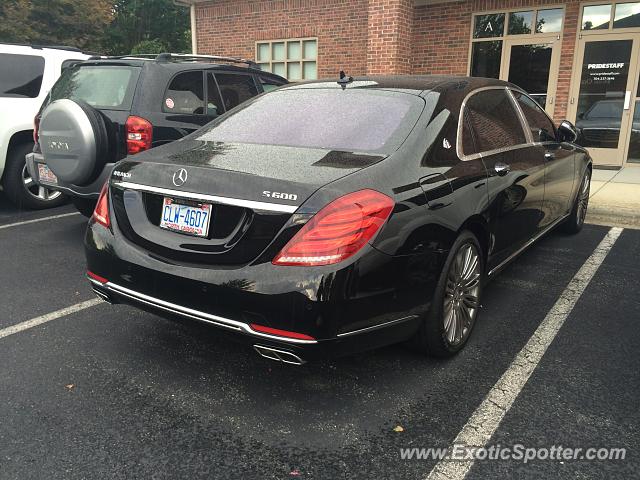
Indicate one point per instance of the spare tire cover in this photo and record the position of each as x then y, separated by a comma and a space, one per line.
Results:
70, 142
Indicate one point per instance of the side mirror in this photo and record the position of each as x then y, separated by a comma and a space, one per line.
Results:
567, 132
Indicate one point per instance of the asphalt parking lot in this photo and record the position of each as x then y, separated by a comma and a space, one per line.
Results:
112, 392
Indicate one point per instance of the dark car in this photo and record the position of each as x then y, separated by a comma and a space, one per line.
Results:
323, 219
599, 126
104, 109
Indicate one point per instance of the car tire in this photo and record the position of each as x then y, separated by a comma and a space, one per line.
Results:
84, 206
458, 294
20, 188
575, 221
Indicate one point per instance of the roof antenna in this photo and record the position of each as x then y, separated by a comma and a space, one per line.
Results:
344, 80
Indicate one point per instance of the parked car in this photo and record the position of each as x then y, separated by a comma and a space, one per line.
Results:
599, 126
325, 219
104, 109
27, 72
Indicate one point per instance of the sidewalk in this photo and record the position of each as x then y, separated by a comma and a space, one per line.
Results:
615, 197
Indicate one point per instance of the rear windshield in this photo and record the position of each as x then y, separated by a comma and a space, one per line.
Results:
20, 75
104, 87
364, 120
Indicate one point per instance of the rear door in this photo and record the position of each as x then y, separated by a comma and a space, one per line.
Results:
107, 87
235, 88
514, 166
559, 159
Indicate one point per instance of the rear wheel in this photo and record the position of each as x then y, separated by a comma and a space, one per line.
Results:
574, 223
456, 303
21, 188
84, 206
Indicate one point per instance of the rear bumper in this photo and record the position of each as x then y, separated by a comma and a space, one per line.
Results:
374, 301
287, 350
90, 191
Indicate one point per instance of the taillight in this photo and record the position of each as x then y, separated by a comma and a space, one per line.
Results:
101, 212
139, 134
36, 128
337, 231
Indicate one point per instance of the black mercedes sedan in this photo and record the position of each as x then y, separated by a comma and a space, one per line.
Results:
327, 218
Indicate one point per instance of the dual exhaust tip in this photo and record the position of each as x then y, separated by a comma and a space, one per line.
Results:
278, 355
274, 354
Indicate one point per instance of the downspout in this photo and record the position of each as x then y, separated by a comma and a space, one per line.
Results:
194, 38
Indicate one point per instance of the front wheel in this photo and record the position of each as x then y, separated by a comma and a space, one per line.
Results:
456, 302
575, 221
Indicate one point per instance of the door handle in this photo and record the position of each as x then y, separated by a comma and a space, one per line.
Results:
501, 169
549, 156
627, 100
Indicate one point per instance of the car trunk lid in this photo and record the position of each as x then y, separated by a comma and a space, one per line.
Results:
253, 191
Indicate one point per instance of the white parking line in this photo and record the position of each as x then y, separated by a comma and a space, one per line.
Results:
36, 220
485, 420
34, 322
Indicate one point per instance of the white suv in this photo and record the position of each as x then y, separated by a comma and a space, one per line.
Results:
27, 72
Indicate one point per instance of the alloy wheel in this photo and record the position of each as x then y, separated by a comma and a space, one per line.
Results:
461, 299
37, 191
583, 197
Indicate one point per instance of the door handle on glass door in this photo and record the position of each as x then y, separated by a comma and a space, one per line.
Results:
501, 169
627, 100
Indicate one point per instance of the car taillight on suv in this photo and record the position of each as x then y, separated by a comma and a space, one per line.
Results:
139, 134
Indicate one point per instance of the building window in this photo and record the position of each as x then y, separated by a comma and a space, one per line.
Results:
598, 17
491, 30
294, 59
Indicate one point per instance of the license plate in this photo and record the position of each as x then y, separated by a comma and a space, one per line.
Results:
46, 175
189, 219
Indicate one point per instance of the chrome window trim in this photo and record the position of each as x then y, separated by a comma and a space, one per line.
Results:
193, 314
526, 128
524, 118
474, 156
237, 202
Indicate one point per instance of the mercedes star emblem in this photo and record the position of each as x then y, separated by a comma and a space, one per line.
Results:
180, 177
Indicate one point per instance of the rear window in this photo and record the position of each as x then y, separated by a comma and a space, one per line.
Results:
20, 75
102, 87
350, 120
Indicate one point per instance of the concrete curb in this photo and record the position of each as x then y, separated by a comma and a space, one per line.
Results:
609, 219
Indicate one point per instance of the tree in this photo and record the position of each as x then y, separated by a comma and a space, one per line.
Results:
149, 46
107, 26
59, 22
15, 26
158, 21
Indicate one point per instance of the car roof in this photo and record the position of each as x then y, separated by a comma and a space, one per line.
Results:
409, 83
62, 52
175, 66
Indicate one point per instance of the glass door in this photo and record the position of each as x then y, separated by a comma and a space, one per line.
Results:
602, 106
633, 155
533, 66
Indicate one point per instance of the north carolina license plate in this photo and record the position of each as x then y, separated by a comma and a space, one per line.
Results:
183, 218
46, 175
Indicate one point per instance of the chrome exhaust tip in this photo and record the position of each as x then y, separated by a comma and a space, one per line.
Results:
278, 355
102, 295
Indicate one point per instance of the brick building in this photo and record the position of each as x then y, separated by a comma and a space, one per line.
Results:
579, 59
